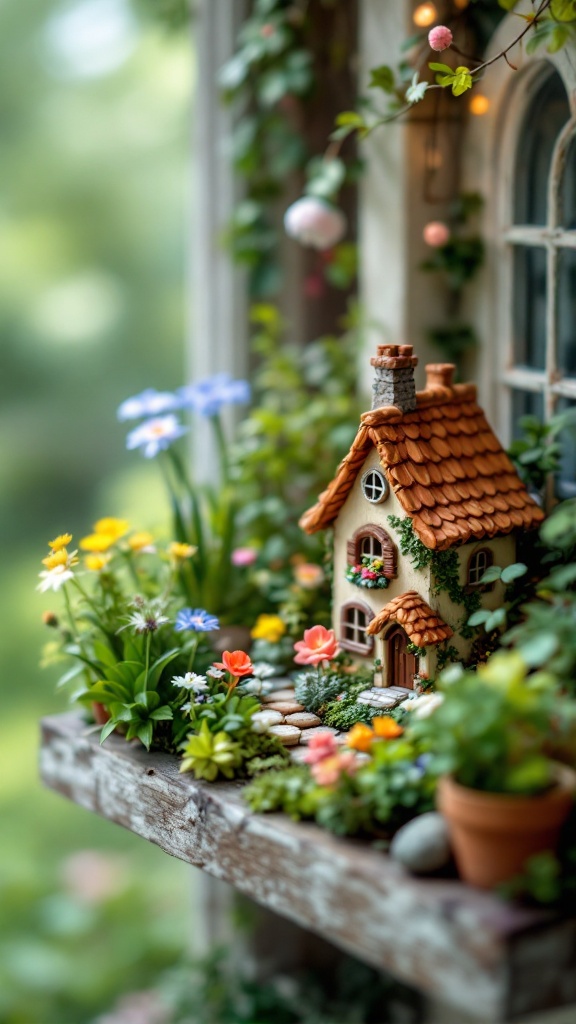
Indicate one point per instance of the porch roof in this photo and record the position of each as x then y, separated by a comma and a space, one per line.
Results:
446, 466
423, 626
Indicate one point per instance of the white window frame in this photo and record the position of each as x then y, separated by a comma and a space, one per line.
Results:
378, 482
490, 151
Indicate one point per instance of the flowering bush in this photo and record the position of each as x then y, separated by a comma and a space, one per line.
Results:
369, 572
143, 660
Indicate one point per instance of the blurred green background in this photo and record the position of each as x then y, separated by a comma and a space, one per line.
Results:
95, 107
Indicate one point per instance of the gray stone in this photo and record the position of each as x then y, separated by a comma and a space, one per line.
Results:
423, 844
315, 731
276, 695
289, 735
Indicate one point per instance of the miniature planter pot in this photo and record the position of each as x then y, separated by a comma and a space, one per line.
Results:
494, 834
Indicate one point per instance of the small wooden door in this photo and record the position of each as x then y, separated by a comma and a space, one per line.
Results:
401, 664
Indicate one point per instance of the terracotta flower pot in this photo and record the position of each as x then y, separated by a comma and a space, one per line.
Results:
101, 714
494, 834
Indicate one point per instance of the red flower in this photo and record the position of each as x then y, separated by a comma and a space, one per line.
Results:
319, 644
237, 663
369, 574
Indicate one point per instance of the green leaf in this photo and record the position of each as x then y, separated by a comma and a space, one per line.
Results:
104, 654
563, 10
350, 117
508, 5
71, 674
107, 729
491, 574
382, 78
445, 68
495, 619
145, 733
478, 618
159, 665
513, 572
462, 81
539, 649
163, 714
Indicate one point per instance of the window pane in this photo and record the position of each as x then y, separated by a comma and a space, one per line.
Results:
525, 403
543, 121
566, 483
566, 355
530, 307
568, 193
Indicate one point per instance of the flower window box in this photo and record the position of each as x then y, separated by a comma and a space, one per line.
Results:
369, 573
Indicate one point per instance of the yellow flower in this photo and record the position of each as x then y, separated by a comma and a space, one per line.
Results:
179, 551
60, 542
112, 527
140, 540
360, 737
96, 562
56, 558
268, 627
97, 542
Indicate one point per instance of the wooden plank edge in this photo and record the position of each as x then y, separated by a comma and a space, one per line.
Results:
455, 943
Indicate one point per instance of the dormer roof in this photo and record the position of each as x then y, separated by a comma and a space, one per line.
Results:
444, 463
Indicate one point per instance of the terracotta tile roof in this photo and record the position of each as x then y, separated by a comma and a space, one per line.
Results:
445, 465
421, 624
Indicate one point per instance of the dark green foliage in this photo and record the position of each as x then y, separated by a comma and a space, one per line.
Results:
445, 569
316, 688
536, 453
343, 714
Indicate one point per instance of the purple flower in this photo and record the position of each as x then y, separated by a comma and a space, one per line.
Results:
155, 435
195, 619
209, 395
147, 403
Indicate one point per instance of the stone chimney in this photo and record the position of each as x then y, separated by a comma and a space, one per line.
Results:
394, 377
440, 375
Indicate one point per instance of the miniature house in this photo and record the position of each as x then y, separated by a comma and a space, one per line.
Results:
430, 457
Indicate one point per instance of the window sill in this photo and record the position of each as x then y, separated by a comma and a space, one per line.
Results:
455, 943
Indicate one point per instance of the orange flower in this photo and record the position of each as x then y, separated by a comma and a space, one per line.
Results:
360, 737
386, 728
237, 663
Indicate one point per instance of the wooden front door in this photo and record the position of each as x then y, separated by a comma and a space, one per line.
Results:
401, 664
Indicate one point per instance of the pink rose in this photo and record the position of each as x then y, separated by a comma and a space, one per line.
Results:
436, 234
440, 38
322, 745
315, 222
369, 574
308, 575
319, 644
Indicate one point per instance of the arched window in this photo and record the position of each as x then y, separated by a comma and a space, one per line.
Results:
354, 617
375, 486
478, 563
372, 540
539, 236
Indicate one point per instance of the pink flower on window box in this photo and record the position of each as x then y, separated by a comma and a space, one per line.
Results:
315, 222
319, 644
440, 38
369, 574
322, 745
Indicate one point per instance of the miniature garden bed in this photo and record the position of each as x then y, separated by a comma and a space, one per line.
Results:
455, 943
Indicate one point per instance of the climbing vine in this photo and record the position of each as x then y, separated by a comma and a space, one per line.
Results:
445, 568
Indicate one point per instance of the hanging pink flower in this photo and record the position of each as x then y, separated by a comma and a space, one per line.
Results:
315, 222
440, 38
436, 234
319, 644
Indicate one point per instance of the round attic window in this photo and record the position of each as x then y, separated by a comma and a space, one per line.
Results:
375, 486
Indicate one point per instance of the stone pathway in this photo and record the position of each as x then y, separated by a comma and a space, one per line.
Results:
384, 697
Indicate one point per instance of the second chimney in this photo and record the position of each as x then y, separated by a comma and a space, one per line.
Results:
440, 375
394, 377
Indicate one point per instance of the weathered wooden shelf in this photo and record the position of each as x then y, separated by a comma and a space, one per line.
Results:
453, 942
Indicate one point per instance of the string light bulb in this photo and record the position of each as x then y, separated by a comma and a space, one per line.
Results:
479, 104
461, 5
425, 15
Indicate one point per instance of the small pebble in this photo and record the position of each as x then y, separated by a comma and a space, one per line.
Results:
286, 707
276, 695
289, 735
271, 717
303, 720
422, 845
309, 733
